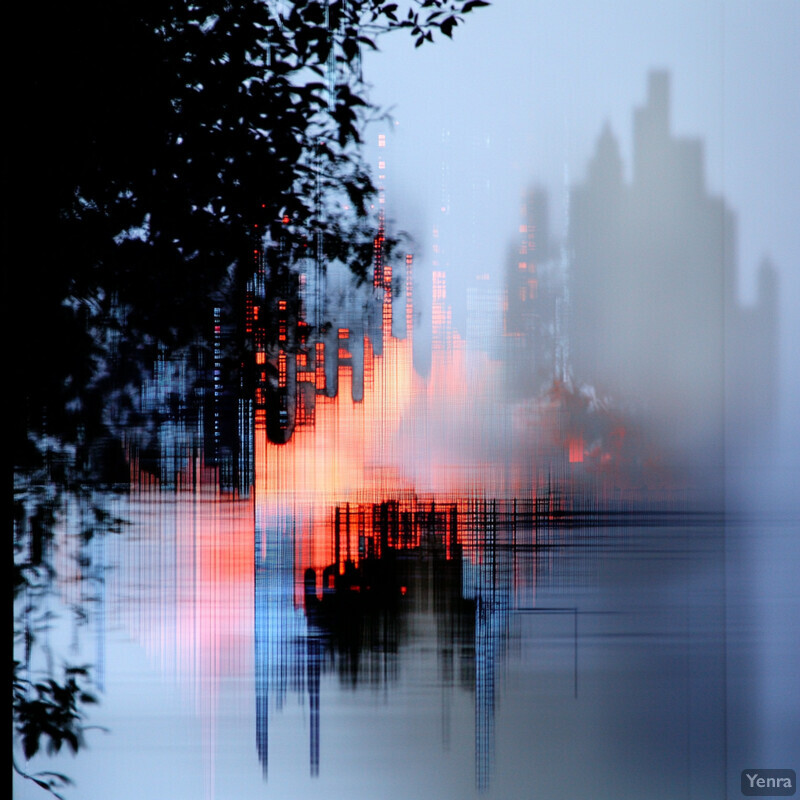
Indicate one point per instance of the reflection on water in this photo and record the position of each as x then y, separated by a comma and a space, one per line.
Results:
396, 603
467, 595
417, 648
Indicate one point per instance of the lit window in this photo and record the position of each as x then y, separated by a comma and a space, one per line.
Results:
282, 370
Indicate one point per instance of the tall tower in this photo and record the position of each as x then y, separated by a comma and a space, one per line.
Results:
649, 265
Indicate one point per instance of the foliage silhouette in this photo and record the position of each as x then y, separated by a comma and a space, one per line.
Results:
152, 144
50, 713
50, 710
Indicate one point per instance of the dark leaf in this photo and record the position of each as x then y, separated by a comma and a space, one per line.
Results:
30, 743
448, 25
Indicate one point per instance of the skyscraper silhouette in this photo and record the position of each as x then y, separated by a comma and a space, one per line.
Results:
653, 276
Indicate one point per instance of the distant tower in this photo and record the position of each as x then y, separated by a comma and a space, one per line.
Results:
533, 302
752, 369
651, 130
533, 247
649, 261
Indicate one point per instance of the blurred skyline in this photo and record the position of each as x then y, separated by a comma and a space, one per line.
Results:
520, 98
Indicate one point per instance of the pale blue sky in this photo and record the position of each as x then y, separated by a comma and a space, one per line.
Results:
525, 87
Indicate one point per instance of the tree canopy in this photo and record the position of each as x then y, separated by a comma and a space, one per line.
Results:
152, 144
153, 141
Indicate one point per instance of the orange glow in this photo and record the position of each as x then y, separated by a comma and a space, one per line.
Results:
406, 434
356, 476
199, 629
576, 450
450, 437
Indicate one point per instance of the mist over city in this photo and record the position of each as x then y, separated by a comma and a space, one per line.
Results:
408, 404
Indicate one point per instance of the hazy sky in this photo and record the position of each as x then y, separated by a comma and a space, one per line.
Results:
522, 92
